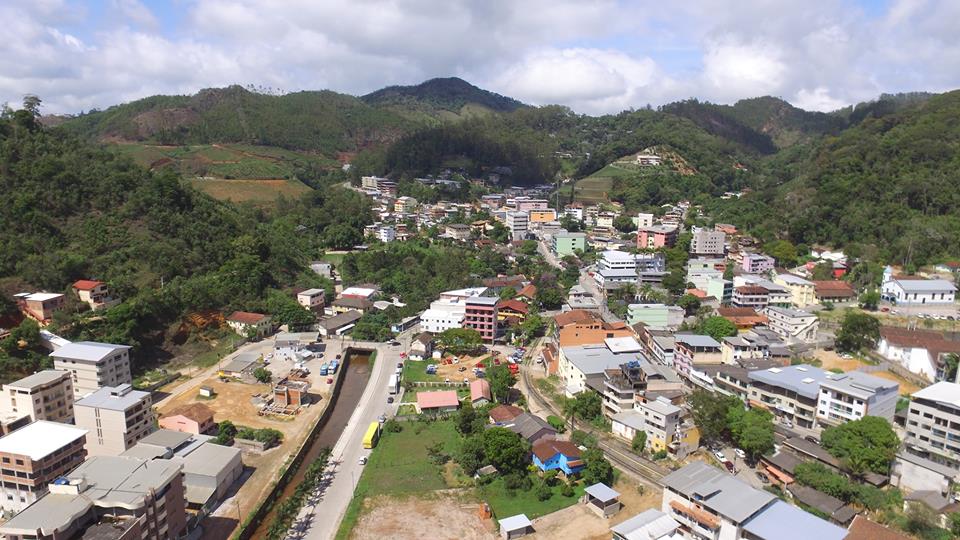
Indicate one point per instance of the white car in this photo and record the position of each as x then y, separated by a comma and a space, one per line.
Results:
719, 455
740, 453
363, 460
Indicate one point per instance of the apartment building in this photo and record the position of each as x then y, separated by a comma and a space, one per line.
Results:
709, 503
655, 315
854, 395
526, 204
707, 242
793, 325
662, 421
750, 296
802, 292
644, 220
45, 395
579, 365
757, 263
246, 323
312, 299
116, 418
94, 365
405, 205
657, 236
122, 498
574, 210
34, 456
623, 386
518, 223
480, 313
933, 425
386, 233
567, 243
693, 350
545, 215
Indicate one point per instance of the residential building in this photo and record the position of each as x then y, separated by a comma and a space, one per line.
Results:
526, 204
863, 529
651, 524
922, 352
437, 402
709, 503
386, 233
480, 392
757, 263
644, 220
518, 223
443, 315
563, 456
480, 313
659, 419
581, 327
694, 350
742, 318
94, 293
503, 414
116, 417
530, 427
580, 363
725, 228
34, 456
793, 325
108, 497
833, 291
801, 290
339, 324
657, 236
566, 243
648, 160
40, 306
705, 242
913, 290
750, 296
195, 418
324, 269
855, 395
312, 299
246, 324
930, 458
351, 303
512, 311
545, 215
623, 386
45, 395
93, 365
421, 347
655, 315
574, 210
457, 231
405, 205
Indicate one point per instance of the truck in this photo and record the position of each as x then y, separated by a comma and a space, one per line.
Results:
394, 384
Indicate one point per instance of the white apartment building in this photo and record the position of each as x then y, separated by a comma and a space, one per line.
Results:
35, 455
707, 242
94, 365
45, 395
312, 299
644, 220
792, 325
519, 224
854, 395
386, 233
930, 458
116, 417
802, 292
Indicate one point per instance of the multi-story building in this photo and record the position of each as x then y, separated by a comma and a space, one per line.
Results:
657, 236
574, 210
757, 263
791, 393
480, 313
34, 456
40, 306
405, 205
750, 296
116, 417
854, 395
707, 242
457, 231
94, 365
923, 352
644, 220
709, 503
802, 292
793, 325
930, 458
519, 224
526, 204
386, 233
567, 243
545, 215
913, 290
312, 299
46, 395
246, 323
655, 315
694, 350
580, 364
122, 498
94, 293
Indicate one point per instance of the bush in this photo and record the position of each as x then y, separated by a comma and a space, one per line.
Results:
567, 490
542, 491
659, 454
582, 438
557, 423
392, 426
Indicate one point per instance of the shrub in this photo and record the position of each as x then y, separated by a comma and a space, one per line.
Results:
567, 490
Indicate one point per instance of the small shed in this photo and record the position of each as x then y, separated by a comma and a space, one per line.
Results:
515, 527
602, 499
207, 391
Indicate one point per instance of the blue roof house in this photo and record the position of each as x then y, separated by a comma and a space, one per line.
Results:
557, 455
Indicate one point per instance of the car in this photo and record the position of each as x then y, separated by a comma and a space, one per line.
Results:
719, 455
389, 399
787, 423
812, 439
394, 343
729, 466
382, 418
740, 453
399, 364
362, 460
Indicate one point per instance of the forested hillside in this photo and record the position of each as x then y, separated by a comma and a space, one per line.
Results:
443, 98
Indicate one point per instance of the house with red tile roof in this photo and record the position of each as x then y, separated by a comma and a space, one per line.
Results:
512, 311
94, 293
245, 323
480, 392
502, 414
833, 291
437, 402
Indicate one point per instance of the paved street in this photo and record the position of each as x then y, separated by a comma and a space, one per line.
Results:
320, 518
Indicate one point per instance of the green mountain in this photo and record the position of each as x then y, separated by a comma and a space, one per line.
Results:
441, 98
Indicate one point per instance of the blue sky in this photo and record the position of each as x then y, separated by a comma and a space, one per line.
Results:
595, 56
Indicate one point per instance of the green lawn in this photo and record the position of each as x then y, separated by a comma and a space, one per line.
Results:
399, 465
525, 502
416, 371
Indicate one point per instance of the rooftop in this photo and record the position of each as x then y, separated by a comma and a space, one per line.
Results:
42, 296
545, 449
649, 524
114, 398
444, 398
782, 521
594, 359
624, 344
515, 523
86, 284
241, 362
358, 291
791, 279
803, 379
864, 529
942, 392
40, 439
39, 378
697, 340
341, 320
311, 292
88, 351
602, 492
858, 383
925, 285
661, 406
718, 491
246, 317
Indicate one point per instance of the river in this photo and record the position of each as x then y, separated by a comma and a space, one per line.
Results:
357, 366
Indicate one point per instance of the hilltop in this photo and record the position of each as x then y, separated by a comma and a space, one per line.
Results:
441, 98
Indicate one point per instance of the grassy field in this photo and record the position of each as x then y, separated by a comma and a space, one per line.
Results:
223, 161
593, 189
505, 504
400, 466
416, 371
258, 192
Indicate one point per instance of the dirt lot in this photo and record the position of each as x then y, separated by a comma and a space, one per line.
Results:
443, 517
577, 522
831, 360
906, 387
452, 371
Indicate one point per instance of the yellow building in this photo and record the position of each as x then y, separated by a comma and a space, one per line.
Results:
802, 293
543, 216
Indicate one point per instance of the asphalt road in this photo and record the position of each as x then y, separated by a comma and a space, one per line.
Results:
320, 519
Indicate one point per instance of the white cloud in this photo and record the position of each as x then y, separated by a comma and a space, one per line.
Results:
596, 57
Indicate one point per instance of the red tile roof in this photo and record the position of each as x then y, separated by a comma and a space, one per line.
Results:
528, 292
934, 342
751, 289
245, 317
86, 284
833, 288
574, 316
433, 400
198, 412
864, 529
514, 305
504, 413
545, 449
480, 389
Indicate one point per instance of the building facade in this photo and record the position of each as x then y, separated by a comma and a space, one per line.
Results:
480, 313
116, 419
707, 242
46, 395
34, 456
94, 365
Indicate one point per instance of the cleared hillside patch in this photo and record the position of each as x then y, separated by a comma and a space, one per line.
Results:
259, 192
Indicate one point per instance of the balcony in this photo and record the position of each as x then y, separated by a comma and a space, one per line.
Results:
700, 520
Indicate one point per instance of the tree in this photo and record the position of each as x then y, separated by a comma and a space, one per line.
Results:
783, 251
950, 363
858, 331
639, 441
719, 328
954, 522
710, 413
689, 303
868, 444
459, 340
823, 271
466, 419
471, 454
501, 381
262, 374
870, 300
505, 450
549, 297
533, 325
596, 468
507, 293
586, 406
751, 429
624, 223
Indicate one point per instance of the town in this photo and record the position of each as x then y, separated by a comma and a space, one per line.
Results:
654, 375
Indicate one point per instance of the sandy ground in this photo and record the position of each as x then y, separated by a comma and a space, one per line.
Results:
452, 371
443, 517
906, 387
831, 360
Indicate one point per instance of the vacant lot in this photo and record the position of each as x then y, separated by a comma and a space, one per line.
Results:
579, 522
505, 504
906, 387
223, 161
441, 517
259, 192
831, 360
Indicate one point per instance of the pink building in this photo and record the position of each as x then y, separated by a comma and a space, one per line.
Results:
757, 263
481, 315
657, 236
526, 205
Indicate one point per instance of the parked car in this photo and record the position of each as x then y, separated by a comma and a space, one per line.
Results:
394, 343
740, 453
363, 460
719, 455
389, 399
399, 364
812, 439
729, 465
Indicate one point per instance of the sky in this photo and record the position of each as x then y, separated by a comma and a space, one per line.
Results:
595, 56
